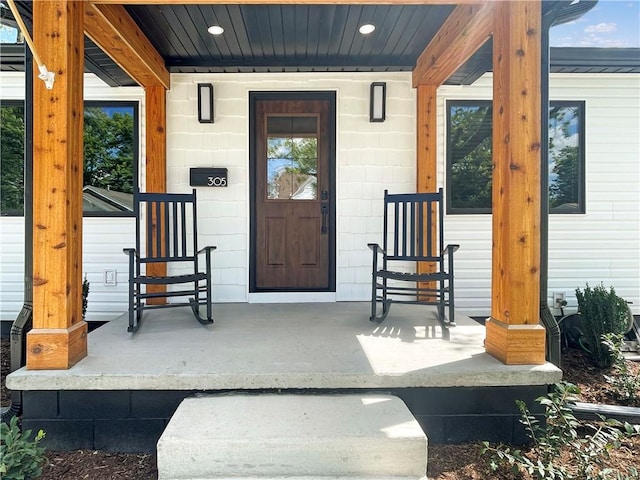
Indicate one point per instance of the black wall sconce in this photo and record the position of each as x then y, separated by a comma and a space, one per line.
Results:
378, 102
205, 103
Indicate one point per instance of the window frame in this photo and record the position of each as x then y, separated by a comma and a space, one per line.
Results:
582, 161
135, 105
581, 169
136, 150
448, 160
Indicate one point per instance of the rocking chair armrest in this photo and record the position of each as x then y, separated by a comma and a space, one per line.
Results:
450, 249
131, 252
376, 248
208, 248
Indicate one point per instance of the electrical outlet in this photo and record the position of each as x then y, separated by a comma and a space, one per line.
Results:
110, 278
559, 300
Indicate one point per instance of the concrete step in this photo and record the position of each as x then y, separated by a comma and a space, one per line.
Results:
292, 436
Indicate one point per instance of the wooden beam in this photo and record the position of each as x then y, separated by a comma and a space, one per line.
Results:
115, 32
58, 339
513, 332
462, 33
427, 161
156, 168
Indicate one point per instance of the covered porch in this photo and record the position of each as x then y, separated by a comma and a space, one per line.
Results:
122, 394
58, 339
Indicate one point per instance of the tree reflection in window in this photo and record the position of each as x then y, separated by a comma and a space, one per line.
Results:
565, 166
469, 157
12, 148
110, 157
292, 158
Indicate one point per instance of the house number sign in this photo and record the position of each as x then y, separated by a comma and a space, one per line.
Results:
208, 177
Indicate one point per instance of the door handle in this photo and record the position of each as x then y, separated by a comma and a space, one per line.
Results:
325, 211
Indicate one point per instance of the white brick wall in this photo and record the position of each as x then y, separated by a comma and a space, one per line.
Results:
369, 158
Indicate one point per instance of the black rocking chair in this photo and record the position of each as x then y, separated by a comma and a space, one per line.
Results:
410, 223
173, 219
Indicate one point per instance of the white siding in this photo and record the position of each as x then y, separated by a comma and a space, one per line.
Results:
103, 238
602, 245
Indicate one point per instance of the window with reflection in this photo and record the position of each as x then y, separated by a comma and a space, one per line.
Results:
566, 157
110, 158
12, 157
292, 157
469, 156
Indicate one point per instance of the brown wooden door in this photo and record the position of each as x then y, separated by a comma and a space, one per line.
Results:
293, 208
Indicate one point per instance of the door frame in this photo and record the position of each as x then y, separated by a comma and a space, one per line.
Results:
255, 97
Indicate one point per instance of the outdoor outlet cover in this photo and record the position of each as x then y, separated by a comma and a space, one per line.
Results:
558, 299
110, 278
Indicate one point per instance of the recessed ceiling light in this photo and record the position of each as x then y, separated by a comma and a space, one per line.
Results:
215, 30
366, 29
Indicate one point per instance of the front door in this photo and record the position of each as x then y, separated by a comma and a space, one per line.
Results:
293, 225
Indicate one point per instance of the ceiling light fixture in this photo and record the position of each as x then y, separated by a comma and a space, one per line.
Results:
366, 29
215, 30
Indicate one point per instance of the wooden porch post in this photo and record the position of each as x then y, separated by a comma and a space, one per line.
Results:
156, 166
514, 335
427, 161
58, 339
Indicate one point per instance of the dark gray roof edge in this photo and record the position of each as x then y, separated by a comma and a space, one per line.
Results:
560, 56
592, 56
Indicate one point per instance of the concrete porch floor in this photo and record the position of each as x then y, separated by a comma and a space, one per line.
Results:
285, 346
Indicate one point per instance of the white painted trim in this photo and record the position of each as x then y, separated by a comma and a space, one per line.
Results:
292, 297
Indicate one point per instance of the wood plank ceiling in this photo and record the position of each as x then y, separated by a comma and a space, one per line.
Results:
278, 38
305, 38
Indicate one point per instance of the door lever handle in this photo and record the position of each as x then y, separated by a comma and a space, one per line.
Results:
325, 211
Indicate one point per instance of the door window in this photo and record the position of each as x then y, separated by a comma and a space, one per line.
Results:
292, 157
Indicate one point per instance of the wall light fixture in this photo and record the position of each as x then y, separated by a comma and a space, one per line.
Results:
378, 102
205, 103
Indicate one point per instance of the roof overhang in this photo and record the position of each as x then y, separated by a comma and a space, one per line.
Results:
131, 42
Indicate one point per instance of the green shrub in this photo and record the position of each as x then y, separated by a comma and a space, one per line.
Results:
602, 312
85, 296
20, 458
584, 453
625, 385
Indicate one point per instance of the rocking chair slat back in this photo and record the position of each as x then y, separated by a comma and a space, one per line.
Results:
171, 216
410, 238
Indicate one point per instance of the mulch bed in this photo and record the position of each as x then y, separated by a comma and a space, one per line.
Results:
446, 462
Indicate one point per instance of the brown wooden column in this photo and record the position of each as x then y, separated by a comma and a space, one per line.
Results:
426, 166
156, 165
514, 335
427, 138
58, 339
